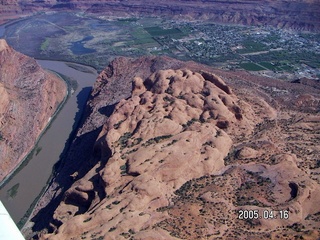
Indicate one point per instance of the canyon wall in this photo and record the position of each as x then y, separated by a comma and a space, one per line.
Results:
29, 96
297, 14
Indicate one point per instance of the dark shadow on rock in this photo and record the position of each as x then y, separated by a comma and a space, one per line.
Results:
82, 98
78, 157
75, 160
294, 190
107, 110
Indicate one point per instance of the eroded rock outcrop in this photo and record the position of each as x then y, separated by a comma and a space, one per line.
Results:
29, 96
167, 133
186, 152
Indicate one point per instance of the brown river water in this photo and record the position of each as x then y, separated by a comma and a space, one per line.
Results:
26, 184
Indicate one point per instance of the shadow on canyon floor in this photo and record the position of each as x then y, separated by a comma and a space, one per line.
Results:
74, 162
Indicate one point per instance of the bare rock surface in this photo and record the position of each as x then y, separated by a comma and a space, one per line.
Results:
185, 152
29, 96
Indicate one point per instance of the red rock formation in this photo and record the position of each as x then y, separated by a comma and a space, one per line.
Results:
186, 152
300, 15
29, 96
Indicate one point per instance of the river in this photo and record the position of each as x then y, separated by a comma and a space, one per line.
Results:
24, 187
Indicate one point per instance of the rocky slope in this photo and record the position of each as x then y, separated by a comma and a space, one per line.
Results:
29, 96
297, 14
189, 149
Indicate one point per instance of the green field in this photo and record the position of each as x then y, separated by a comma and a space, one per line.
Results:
45, 45
158, 31
251, 67
141, 37
268, 65
251, 46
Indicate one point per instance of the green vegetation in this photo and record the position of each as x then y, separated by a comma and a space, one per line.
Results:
268, 65
141, 37
79, 67
156, 139
72, 83
190, 122
158, 31
132, 150
127, 20
87, 220
115, 202
123, 140
251, 67
1, 137
252, 46
45, 45
123, 169
108, 206
38, 150
117, 125
12, 192
228, 47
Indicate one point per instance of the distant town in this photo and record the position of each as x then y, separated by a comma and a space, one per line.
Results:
268, 51
92, 40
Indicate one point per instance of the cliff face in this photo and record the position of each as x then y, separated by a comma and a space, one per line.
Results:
300, 15
186, 152
29, 96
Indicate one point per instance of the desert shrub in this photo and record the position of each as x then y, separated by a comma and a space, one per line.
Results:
87, 220
117, 125
123, 140
116, 202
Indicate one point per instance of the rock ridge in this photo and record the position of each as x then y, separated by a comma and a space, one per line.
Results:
29, 96
300, 15
185, 151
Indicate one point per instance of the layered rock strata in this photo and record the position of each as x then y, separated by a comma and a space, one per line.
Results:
300, 15
29, 96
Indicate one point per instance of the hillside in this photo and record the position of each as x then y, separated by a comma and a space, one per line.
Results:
182, 153
299, 15
29, 98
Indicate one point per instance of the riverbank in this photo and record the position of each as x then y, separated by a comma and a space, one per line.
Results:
29, 155
31, 179
23, 223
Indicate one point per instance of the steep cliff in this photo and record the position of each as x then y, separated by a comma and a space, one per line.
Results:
185, 153
297, 14
29, 96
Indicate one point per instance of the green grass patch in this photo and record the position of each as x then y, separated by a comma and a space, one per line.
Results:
268, 65
251, 46
142, 41
158, 31
251, 67
141, 37
313, 64
140, 33
45, 45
